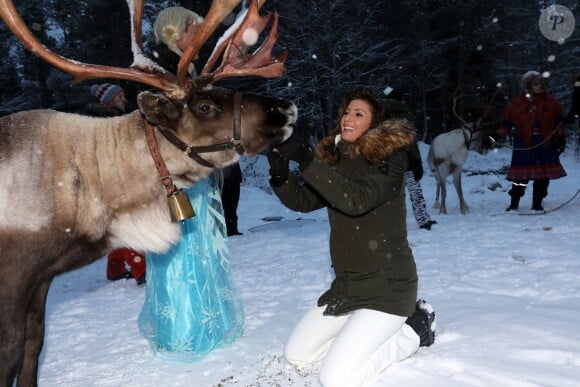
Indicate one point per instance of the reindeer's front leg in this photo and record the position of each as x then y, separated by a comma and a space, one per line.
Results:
34, 336
463, 207
443, 188
443, 207
436, 175
437, 192
13, 302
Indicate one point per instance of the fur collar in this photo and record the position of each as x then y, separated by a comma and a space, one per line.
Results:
375, 145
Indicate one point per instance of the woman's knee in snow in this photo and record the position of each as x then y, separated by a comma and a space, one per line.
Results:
297, 356
332, 376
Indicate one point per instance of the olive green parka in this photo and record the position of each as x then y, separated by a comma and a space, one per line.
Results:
362, 186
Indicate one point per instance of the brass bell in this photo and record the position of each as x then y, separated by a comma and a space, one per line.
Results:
180, 207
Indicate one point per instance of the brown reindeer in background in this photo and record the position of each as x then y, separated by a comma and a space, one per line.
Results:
76, 187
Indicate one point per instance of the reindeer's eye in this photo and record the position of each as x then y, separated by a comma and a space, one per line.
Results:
204, 108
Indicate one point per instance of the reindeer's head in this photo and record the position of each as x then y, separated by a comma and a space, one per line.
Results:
190, 111
475, 143
216, 119
472, 131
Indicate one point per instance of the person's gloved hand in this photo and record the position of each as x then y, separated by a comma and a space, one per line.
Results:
303, 156
559, 145
489, 141
289, 147
417, 169
296, 150
279, 167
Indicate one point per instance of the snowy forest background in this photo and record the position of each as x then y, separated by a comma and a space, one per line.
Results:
425, 48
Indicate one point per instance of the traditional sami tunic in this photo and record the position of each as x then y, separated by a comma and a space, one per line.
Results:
534, 120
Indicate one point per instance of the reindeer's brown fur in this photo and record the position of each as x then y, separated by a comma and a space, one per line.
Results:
76, 187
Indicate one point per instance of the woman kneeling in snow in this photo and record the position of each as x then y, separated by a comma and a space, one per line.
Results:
368, 319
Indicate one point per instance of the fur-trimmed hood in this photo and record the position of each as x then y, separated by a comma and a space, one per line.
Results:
375, 145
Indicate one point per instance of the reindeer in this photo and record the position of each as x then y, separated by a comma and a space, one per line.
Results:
76, 187
448, 153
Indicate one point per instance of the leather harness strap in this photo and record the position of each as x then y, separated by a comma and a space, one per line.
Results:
193, 151
237, 140
158, 160
466, 138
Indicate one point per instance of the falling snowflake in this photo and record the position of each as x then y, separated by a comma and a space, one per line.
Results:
250, 36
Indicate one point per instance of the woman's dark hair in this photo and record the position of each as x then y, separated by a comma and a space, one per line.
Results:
366, 95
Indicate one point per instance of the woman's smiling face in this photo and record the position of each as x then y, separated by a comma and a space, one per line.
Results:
356, 120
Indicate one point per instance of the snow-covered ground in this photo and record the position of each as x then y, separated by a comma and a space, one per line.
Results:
505, 287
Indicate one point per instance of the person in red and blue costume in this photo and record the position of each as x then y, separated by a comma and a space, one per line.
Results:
536, 119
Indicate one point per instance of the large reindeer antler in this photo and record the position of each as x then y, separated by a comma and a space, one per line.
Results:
233, 46
488, 110
218, 11
456, 97
235, 62
81, 71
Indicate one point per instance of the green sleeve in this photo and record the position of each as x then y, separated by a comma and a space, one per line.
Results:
298, 197
363, 193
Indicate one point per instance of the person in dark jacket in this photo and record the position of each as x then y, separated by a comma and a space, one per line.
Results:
232, 180
539, 140
369, 318
395, 107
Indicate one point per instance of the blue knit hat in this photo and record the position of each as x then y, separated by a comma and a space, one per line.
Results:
106, 92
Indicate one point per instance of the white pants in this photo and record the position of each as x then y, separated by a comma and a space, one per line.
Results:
354, 347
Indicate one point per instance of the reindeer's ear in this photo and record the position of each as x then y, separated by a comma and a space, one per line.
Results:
158, 109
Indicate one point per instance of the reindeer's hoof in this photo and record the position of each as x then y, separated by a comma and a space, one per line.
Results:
464, 211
